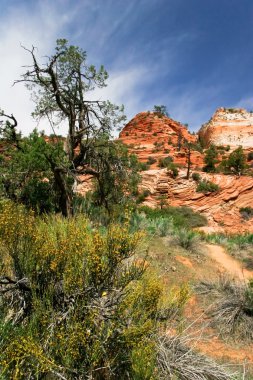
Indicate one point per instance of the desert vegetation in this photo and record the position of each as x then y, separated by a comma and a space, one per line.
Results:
232, 309
95, 286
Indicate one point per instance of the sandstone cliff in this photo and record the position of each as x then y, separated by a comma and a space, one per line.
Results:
232, 127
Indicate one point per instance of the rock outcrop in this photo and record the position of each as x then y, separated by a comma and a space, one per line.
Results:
220, 208
150, 135
229, 126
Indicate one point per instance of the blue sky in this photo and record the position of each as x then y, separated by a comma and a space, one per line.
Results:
191, 55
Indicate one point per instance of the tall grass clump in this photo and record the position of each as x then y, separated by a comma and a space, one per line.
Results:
232, 311
182, 216
236, 241
160, 226
187, 239
216, 238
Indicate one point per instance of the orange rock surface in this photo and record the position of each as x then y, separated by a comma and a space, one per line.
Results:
157, 136
220, 208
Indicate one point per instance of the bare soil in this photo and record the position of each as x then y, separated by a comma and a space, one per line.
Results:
228, 263
178, 266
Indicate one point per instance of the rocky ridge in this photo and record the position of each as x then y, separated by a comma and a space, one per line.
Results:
150, 135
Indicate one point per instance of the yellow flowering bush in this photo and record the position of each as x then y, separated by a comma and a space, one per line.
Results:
24, 355
74, 301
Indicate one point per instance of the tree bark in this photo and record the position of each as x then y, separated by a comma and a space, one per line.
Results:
66, 199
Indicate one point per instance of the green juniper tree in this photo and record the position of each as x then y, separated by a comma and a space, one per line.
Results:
210, 159
236, 162
161, 110
60, 88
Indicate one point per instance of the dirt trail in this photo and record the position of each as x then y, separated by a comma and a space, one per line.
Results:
229, 264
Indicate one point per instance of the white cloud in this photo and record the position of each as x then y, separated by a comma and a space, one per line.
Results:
245, 103
123, 87
41, 29
20, 26
88, 21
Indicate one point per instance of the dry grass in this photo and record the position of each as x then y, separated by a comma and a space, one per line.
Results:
232, 310
178, 360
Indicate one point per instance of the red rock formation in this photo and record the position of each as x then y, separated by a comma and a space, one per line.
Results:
221, 208
151, 135
232, 127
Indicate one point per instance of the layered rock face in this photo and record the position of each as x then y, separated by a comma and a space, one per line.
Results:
232, 127
150, 135
220, 208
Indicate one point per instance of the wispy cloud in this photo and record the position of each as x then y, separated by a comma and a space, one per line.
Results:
245, 103
41, 29
124, 87
19, 26
154, 51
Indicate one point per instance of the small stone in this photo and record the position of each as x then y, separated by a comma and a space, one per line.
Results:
173, 269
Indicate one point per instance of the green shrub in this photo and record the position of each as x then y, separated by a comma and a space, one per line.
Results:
182, 216
232, 110
246, 212
160, 111
142, 196
158, 145
173, 169
84, 304
187, 239
207, 187
164, 162
151, 160
162, 200
160, 226
197, 147
210, 159
196, 177
250, 156
143, 166
236, 162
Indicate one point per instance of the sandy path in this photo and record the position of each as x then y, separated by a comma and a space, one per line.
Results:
231, 265
210, 343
